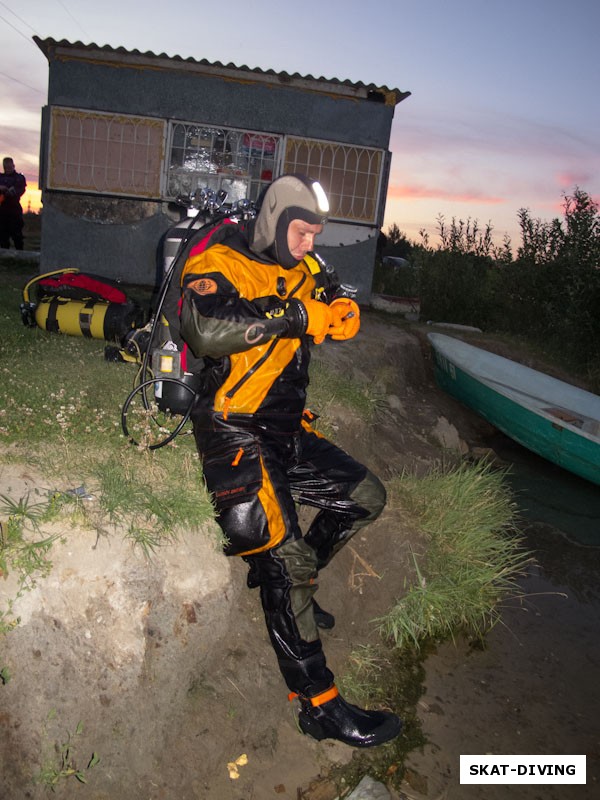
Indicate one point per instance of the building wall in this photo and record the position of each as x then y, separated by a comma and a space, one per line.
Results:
186, 94
119, 237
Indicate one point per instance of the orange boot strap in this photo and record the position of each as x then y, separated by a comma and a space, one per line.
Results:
318, 699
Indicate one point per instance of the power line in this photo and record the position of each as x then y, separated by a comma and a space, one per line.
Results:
60, 2
27, 38
33, 30
16, 80
17, 30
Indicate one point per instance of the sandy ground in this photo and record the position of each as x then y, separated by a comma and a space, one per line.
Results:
497, 700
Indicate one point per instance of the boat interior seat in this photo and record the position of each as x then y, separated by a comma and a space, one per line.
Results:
587, 424
566, 416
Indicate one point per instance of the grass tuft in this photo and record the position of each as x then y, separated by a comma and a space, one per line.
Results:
24, 549
367, 400
473, 559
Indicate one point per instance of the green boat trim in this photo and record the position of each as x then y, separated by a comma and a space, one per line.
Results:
553, 419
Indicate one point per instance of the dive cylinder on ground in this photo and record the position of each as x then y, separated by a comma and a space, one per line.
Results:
97, 319
80, 304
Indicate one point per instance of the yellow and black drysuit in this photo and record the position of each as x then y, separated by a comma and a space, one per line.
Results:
249, 309
260, 455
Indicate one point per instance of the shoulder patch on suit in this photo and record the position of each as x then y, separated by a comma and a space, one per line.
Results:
203, 286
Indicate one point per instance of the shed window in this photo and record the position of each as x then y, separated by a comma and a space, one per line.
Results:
352, 176
240, 162
145, 157
106, 153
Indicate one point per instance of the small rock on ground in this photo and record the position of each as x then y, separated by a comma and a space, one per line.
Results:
369, 789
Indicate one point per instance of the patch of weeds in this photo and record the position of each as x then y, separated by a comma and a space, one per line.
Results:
147, 539
20, 551
142, 496
55, 770
118, 493
366, 667
367, 400
22, 511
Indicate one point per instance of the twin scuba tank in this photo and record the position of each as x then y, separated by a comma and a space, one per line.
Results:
175, 386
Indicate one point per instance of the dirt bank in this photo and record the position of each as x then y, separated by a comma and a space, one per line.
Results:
232, 702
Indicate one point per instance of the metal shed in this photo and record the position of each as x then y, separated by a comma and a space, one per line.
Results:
124, 133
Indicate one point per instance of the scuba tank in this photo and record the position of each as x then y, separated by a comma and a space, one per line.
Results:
169, 376
79, 304
91, 318
200, 208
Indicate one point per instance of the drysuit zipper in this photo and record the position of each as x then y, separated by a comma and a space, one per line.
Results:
234, 389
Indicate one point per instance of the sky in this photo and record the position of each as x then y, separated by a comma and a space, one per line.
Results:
504, 111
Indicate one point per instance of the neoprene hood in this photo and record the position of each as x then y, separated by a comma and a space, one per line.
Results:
287, 198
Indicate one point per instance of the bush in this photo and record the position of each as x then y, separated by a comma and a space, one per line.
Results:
458, 287
550, 293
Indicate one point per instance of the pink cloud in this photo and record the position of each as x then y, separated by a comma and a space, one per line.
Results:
415, 192
569, 179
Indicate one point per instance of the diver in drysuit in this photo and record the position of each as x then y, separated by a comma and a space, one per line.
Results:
251, 306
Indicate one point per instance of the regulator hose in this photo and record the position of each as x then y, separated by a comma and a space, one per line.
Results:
141, 388
145, 369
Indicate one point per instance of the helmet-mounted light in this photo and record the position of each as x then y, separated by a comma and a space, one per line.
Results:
322, 201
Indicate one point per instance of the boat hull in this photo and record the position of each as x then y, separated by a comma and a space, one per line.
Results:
530, 420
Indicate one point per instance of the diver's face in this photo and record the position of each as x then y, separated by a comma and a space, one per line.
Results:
301, 237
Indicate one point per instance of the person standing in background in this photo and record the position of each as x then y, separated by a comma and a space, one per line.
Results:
12, 188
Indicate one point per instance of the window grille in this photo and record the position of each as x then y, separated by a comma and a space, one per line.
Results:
237, 161
350, 175
125, 155
106, 153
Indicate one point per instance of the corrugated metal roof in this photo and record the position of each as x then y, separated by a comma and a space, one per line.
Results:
52, 48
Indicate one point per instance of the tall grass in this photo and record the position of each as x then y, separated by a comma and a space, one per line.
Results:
473, 556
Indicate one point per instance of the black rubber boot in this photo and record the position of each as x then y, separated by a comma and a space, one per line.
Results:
337, 719
323, 618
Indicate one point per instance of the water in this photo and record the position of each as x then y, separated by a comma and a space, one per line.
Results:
548, 494
535, 689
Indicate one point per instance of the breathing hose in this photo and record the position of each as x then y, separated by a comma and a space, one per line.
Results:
245, 209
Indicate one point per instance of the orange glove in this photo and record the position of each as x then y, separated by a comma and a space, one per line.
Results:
319, 319
345, 319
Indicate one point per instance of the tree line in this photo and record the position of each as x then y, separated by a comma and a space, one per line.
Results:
548, 292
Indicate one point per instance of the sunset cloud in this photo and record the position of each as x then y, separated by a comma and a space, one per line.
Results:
567, 180
416, 192
468, 133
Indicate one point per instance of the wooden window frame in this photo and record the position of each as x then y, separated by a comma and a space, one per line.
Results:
102, 153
